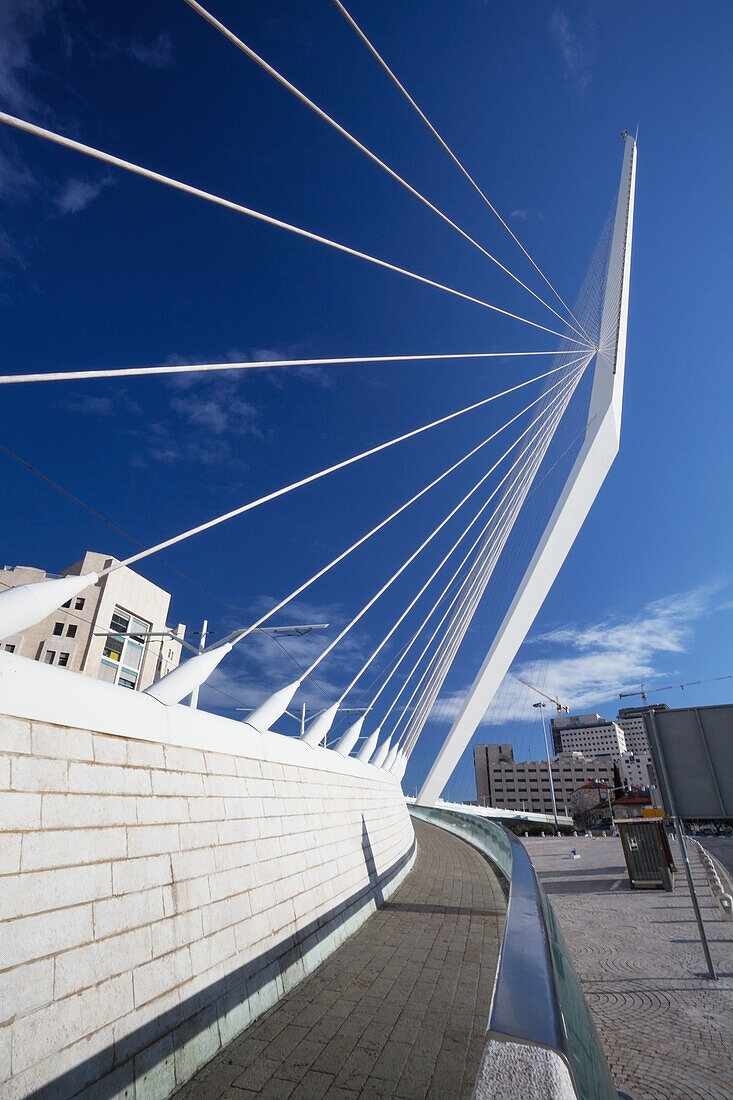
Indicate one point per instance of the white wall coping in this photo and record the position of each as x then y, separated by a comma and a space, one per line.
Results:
44, 693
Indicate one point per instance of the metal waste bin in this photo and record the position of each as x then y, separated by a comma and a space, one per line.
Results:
647, 854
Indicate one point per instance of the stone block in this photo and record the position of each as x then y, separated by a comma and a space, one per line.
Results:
60, 741
177, 931
155, 1074
154, 810
60, 811
79, 1018
198, 834
161, 975
196, 1041
192, 864
145, 754
86, 966
42, 934
223, 914
25, 988
182, 759
70, 847
204, 809
109, 749
228, 856
131, 875
108, 779
227, 786
148, 840
127, 911
182, 784
188, 894
20, 810
41, 891
232, 832
218, 763
212, 950
9, 853
31, 773
15, 734
225, 884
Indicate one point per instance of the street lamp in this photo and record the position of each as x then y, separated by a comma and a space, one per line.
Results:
541, 707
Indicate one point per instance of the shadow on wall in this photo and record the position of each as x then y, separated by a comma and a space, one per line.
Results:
239, 997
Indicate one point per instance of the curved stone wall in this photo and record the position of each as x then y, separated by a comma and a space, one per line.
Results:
166, 876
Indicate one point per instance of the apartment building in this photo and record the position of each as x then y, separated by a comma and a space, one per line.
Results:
105, 631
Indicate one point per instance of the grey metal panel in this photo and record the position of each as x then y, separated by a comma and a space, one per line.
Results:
697, 746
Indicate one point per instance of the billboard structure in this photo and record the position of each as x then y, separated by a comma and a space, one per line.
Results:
692, 750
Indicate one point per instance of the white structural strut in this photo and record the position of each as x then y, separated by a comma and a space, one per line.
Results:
581, 488
367, 749
27, 604
188, 676
349, 739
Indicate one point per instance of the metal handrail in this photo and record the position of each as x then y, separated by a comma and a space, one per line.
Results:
537, 1000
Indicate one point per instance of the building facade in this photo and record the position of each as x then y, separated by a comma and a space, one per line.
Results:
631, 720
96, 632
589, 734
525, 785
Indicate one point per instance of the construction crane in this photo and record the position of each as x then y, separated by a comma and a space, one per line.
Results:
669, 687
561, 708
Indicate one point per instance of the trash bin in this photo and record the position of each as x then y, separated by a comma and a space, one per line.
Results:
647, 854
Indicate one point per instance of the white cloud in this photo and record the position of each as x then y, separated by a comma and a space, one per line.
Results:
77, 194
576, 59
157, 54
20, 22
599, 660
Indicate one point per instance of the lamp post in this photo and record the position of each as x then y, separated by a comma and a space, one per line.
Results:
541, 707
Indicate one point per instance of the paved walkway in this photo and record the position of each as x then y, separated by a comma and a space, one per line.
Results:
667, 1031
400, 1010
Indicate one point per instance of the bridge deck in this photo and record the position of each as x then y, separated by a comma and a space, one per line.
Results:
399, 1011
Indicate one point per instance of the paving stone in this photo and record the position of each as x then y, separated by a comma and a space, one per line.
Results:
419, 974
666, 1029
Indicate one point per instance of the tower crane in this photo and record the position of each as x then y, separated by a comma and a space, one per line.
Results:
560, 707
668, 687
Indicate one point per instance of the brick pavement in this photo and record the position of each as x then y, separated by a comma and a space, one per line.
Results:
666, 1029
400, 1010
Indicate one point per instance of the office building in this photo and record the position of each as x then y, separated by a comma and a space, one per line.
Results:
96, 632
525, 785
631, 720
587, 733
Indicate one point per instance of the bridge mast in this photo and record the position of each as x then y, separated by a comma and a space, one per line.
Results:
581, 488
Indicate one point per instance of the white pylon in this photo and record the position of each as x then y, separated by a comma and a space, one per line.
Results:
189, 676
320, 726
391, 757
267, 713
28, 604
365, 752
351, 736
381, 754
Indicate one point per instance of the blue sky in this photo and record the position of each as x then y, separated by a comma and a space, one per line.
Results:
98, 269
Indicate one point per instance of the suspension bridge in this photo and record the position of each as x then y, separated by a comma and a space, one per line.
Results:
322, 834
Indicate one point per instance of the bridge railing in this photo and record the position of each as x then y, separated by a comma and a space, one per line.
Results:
539, 1023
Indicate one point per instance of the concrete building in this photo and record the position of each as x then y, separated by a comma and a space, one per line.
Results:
631, 720
636, 769
589, 734
74, 636
484, 758
632, 805
525, 785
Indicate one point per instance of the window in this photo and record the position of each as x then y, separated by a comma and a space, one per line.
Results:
123, 653
67, 604
63, 659
58, 628
50, 656
9, 648
71, 630
79, 603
